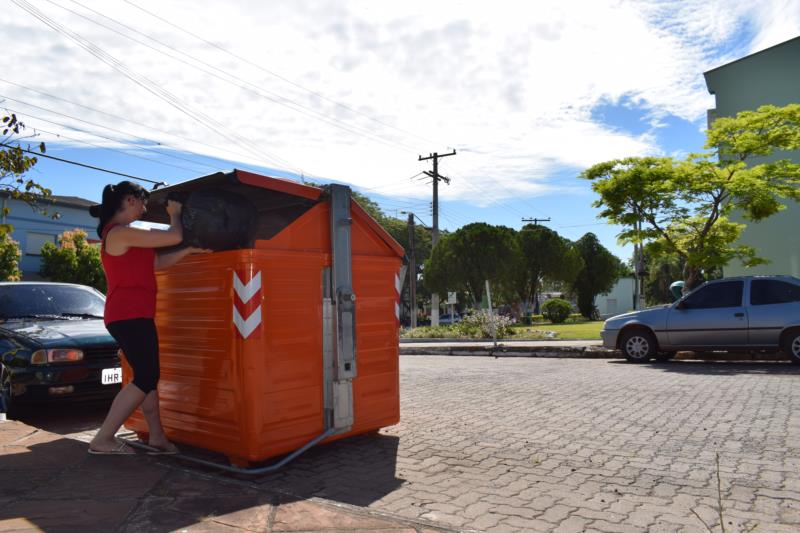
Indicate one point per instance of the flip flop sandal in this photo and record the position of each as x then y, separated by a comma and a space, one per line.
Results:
171, 450
122, 449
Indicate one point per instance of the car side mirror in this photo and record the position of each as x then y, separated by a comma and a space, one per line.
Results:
681, 304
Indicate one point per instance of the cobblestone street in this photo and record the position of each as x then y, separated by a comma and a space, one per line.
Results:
576, 445
527, 444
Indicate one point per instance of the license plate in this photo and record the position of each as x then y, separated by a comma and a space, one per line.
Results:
111, 376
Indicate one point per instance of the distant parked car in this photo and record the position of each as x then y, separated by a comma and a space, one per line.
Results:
745, 313
448, 319
54, 345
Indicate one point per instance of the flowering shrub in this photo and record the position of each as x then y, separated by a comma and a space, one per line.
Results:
482, 325
73, 261
9, 259
430, 332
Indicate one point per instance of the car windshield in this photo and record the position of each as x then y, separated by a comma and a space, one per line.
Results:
33, 300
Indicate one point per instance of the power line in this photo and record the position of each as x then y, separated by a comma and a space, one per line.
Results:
391, 186
123, 152
99, 126
583, 225
145, 82
242, 83
84, 165
485, 193
512, 193
460, 218
137, 146
271, 73
116, 117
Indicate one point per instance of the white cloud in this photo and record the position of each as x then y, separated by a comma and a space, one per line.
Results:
511, 85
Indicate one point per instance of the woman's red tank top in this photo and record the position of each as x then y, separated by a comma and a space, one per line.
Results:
131, 280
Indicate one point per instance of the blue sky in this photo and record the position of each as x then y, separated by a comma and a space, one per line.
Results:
355, 91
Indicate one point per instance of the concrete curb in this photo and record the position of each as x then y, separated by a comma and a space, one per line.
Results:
565, 352
579, 352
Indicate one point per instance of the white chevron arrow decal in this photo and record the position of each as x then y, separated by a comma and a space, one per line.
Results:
246, 327
397, 283
246, 292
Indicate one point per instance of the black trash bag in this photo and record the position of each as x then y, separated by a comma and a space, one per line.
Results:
218, 220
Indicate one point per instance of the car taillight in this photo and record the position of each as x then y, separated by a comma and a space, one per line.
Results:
57, 355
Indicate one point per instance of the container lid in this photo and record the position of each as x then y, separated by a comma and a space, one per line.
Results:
279, 201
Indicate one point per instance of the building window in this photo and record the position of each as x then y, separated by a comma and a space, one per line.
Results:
35, 241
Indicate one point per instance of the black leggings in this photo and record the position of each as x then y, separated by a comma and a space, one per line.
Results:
139, 341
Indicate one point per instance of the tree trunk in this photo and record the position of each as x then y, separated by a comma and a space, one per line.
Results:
691, 278
586, 305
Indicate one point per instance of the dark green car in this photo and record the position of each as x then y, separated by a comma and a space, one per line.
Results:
54, 345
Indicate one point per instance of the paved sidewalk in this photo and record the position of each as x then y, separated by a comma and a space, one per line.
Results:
49, 483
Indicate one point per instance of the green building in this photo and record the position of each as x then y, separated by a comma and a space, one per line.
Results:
771, 76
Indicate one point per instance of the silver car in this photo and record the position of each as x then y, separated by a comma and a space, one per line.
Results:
744, 313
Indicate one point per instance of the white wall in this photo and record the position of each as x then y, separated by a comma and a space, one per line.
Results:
618, 301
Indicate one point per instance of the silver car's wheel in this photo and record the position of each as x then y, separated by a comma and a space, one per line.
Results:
638, 346
791, 345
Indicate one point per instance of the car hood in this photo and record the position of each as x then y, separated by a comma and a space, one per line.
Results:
648, 314
59, 333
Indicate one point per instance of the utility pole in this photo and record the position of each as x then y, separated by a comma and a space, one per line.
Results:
638, 267
435, 231
536, 220
412, 272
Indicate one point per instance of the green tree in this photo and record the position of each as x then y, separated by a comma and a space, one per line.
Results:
600, 271
9, 258
684, 205
370, 206
74, 260
14, 163
544, 255
465, 259
663, 271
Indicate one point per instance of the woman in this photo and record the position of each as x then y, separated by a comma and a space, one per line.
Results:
129, 260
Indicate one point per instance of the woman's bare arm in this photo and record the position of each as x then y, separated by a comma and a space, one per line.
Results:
120, 238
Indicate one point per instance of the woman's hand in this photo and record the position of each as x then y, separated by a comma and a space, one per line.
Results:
174, 208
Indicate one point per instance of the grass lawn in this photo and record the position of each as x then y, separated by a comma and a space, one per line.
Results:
569, 331
576, 331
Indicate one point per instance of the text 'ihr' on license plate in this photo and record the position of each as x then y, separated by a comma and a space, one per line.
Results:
111, 376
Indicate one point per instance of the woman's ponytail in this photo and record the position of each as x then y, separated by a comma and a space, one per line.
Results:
113, 196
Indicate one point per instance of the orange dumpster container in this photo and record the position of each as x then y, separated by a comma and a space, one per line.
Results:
246, 335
